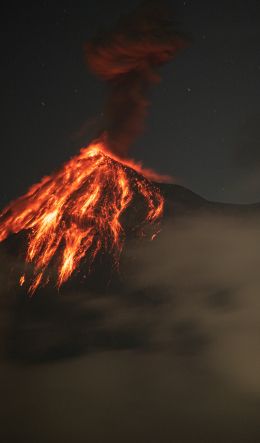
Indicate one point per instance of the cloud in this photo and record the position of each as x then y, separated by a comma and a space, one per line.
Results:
209, 269
169, 352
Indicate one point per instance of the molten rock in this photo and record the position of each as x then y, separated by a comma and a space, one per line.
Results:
76, 212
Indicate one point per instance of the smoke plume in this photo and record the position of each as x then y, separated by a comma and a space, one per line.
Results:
127, 58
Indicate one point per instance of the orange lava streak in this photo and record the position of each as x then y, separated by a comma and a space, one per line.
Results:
76, 212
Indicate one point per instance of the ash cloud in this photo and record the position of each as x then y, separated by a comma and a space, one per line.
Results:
127, 58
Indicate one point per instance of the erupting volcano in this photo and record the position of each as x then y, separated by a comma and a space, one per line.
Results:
76, 213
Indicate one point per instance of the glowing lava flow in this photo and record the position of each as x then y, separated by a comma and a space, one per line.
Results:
76, 212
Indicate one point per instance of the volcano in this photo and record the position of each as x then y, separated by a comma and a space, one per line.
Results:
90, 208
76, 213
98, 198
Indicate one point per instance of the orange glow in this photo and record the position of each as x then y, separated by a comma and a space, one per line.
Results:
75, 212
22, 280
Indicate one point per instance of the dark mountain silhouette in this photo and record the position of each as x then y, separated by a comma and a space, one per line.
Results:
182, 201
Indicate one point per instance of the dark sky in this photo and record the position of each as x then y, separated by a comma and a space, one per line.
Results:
203, 127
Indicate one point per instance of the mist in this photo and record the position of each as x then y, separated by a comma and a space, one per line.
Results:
171, 353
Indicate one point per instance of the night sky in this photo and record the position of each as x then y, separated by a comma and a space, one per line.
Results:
203, 125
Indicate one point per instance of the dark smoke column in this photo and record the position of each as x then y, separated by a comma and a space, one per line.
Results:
127, 59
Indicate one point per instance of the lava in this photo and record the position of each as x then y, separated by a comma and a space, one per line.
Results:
75, 213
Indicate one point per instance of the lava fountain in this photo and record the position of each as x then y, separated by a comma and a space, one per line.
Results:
76, 212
